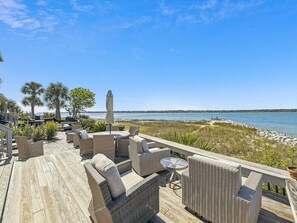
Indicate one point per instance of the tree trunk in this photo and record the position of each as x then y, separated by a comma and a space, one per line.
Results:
33, 111
58, 113
74, 112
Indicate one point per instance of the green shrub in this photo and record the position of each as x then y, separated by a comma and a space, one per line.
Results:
17, 131
84, 116
48, 115
51, 130
98, 127
88, 123
189, 140
27, 131
38, 133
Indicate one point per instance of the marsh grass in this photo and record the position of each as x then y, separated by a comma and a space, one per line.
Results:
232, 140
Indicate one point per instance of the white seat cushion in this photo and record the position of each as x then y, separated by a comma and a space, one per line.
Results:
130, 178
110, 172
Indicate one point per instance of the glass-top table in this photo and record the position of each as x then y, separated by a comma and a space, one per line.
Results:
173, 164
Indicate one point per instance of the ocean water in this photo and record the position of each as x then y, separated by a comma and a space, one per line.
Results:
284, 122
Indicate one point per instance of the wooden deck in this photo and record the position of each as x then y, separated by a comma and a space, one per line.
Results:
54, 188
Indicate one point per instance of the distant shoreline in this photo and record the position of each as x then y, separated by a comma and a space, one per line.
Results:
200, 111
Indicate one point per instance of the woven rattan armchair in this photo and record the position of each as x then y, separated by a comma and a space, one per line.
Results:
145, 163
28, 149
70, 134
214, 190
139, 204
123, 143
104, 144
85, 145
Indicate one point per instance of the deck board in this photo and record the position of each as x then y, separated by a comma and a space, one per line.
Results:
54, 188
6, 166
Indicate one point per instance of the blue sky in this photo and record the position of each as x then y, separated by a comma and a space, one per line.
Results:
210, 54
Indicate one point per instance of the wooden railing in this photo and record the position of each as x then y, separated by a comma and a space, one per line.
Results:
6, 140
271, 176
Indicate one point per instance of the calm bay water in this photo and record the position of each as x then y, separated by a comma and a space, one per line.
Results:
284, 122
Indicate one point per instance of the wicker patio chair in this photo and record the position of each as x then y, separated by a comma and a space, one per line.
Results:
104, 144
214, 190
70, 134
27, 149
122, 147
146, 162
123, 143
85, 145
139, 203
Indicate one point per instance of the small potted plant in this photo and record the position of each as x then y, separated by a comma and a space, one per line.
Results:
293, 171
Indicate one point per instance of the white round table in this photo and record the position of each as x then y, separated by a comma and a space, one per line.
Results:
173, 164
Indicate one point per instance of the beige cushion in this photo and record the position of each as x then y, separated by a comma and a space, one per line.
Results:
144, 145
130, 179
138, 140
110, 172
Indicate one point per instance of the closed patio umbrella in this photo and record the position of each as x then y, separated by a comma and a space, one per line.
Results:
109, 118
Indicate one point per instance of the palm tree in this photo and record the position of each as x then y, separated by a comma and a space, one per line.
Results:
13, 107
56, 96
33, 90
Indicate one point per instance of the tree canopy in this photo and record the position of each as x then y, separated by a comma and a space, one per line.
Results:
81, 99
13, 107
56, 95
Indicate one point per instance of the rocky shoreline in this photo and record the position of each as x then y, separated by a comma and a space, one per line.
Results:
270, 134
277, 136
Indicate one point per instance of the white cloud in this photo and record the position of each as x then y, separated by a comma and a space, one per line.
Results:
206, 11
136, 22
16, 15
204, 5
166, 9
41, 2
81, 8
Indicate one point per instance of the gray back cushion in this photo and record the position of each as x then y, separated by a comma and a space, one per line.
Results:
83, 134
110, 172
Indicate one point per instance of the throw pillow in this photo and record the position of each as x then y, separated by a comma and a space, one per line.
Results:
110, 172
144, 145
83, 134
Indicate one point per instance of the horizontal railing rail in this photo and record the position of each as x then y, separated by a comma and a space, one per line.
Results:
271, 175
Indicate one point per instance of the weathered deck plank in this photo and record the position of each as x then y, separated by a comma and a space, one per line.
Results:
54, 188
6, 166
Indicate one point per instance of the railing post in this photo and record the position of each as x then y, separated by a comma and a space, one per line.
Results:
9, 143
284, 191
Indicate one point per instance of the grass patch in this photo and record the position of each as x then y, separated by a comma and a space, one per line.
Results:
224, 138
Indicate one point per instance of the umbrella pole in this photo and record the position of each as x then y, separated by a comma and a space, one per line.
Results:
110, 129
